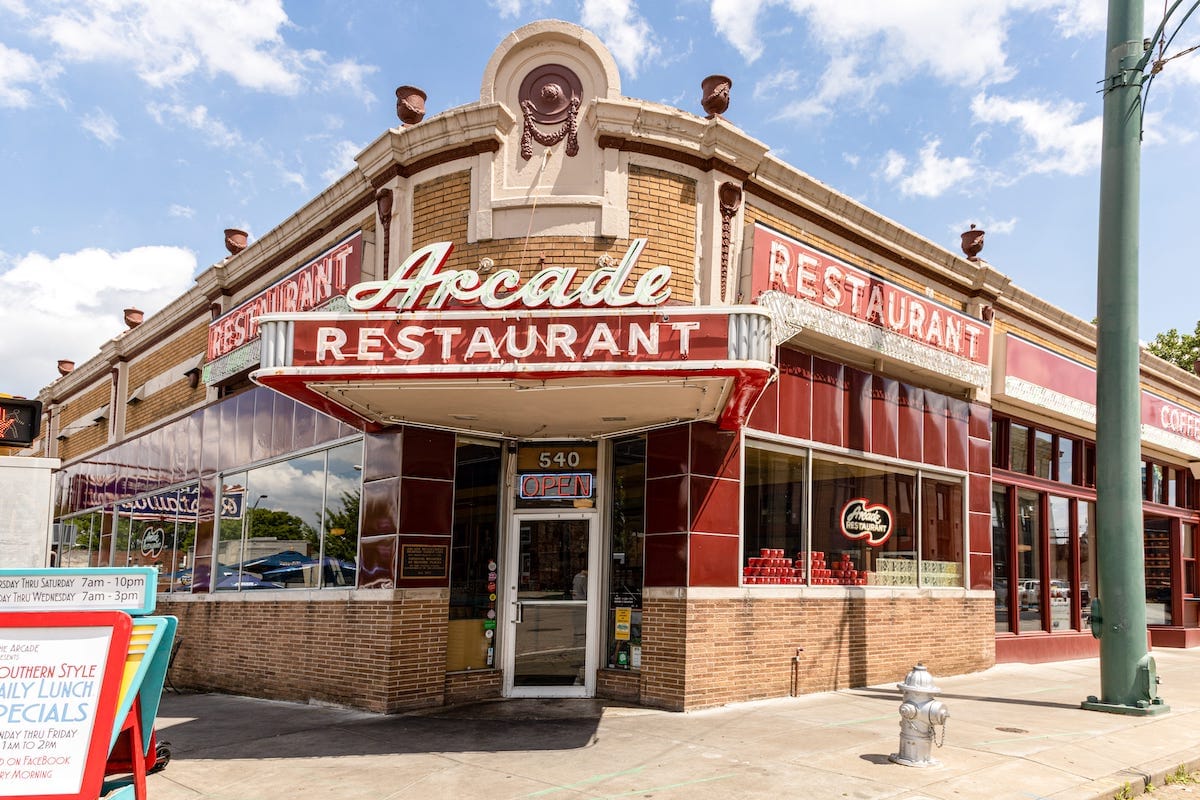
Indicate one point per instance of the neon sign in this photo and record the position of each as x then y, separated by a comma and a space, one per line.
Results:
556, 486
862, 520
420, 282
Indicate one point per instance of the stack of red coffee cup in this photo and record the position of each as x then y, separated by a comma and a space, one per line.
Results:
770, 567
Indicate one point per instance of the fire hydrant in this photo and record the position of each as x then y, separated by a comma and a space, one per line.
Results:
919, 713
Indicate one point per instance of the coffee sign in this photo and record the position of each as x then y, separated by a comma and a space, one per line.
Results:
863, 520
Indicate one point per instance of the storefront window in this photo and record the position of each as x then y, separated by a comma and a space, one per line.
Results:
1066, 460
1018, 448
292, 524
625, 578
1001, 559
1043, 454
77, 540
941, 534
470, 634
839, 489
869, 526
1188, 551
1029, 560
1060, 563
1085, 524
773, 516
1158, 571
159, 530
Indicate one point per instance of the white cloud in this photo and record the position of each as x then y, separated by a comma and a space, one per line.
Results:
17, 72
867, 46
167, 42
736, 21
215, 132
71, 301
894, 165
101, 124
343, 160
292, 178
1059, 140
999, 227
513, 8
786, 80
352, 75
181, 212
1078, 18
932, 176
625, 32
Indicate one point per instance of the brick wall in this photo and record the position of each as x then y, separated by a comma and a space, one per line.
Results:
381, 655
74, 410
469, 687
178, 395
699, 653
662, 208
440, 209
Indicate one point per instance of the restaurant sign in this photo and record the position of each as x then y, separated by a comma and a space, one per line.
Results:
827, 293
869, 521
463, 339
310, 287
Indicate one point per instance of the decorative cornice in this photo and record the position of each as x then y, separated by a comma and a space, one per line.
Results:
1049, 400
798, 314
458, 133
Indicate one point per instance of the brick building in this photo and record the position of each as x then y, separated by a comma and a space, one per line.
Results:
563, 393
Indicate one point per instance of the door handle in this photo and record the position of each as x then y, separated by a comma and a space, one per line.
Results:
519, 617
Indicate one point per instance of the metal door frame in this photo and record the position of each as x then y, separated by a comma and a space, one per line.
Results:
510, 574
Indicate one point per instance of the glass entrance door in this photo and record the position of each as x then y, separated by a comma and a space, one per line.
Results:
551, 582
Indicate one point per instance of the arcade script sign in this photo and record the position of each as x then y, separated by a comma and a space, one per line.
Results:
422, 283
863, 520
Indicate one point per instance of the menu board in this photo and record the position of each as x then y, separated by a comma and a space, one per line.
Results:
129, 589
59, 680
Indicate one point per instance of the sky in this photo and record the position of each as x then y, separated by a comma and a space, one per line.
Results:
133, 132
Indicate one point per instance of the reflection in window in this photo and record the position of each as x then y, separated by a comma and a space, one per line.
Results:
1018, 448
159, 530
1086, 524
869, 526
1158, 571
473, 548
774, 506
77, 540
1043, 454
1060, 563
941, 535
839, 487
1066, 460
624, 647
1001, 560
1029, 560
291, 524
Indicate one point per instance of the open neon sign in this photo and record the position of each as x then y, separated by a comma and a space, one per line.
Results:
556, 486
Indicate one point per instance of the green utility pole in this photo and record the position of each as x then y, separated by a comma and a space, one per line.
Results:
1128, 681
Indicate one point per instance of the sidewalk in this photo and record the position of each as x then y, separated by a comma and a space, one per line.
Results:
1015, 731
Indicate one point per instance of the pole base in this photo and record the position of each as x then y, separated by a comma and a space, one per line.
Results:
896, 758
1153, 708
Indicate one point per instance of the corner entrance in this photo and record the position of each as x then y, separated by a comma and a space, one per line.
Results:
552, 612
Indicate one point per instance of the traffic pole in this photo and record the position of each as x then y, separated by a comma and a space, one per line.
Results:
1128, 678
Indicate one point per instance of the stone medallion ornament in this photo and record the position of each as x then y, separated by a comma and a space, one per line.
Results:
550, 95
